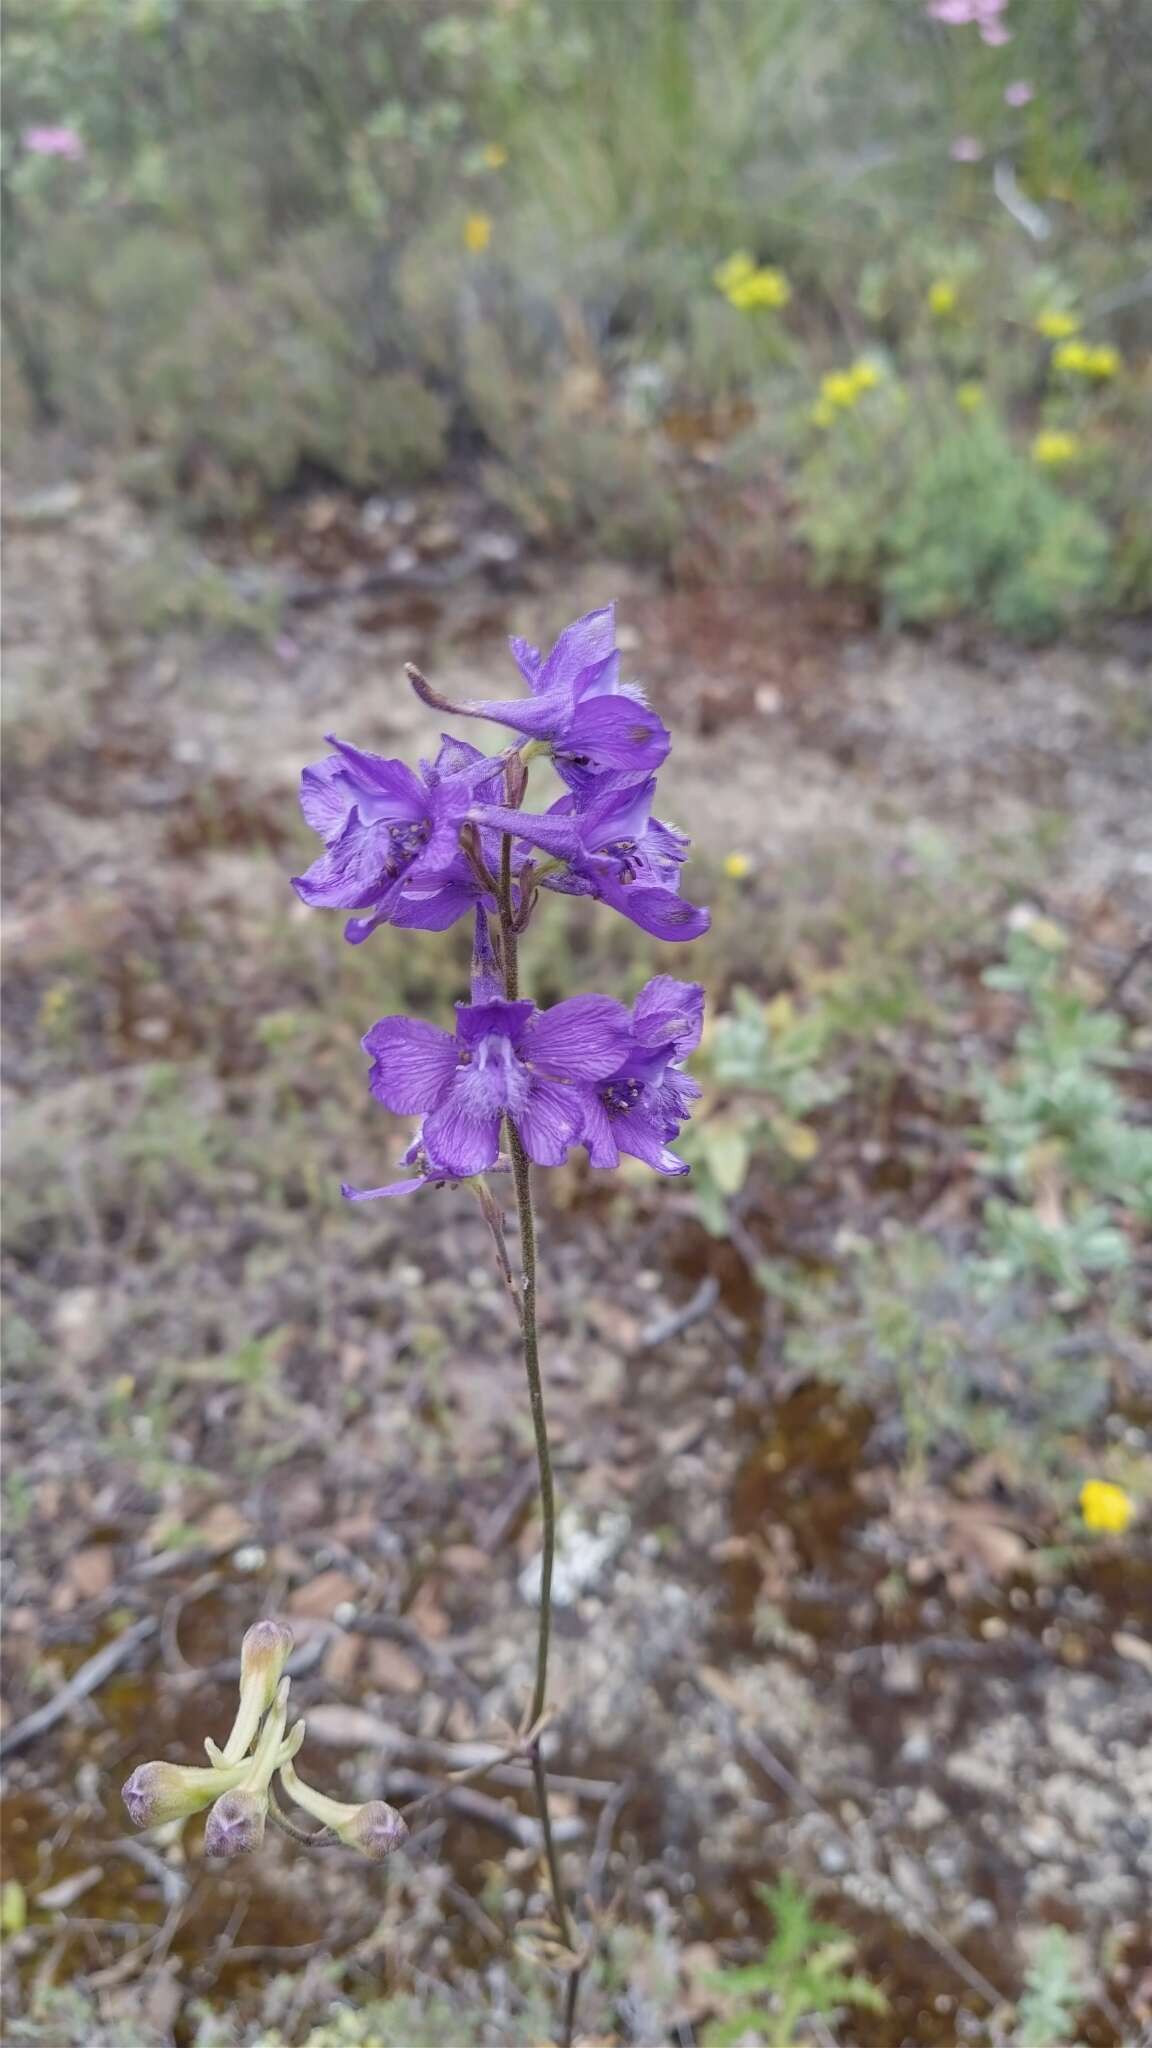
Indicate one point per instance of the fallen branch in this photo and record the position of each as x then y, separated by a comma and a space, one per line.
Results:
82, 1682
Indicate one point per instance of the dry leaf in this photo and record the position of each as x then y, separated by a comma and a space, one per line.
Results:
323, 1595
394, 1670
91, 1571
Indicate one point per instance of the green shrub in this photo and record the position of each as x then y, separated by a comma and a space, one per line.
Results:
951, 518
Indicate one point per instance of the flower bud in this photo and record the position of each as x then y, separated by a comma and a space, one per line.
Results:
264, 1652
236, 1824
374, 1829
160, 1792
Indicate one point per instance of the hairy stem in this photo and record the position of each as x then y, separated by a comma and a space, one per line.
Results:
522, 1181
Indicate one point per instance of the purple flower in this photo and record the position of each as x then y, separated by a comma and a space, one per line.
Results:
614, 849
641, 1105
63, 142
577, 704
966, 150
1019, 92
392, 838
505, 1059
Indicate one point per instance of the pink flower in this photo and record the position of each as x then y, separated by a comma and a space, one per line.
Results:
966, 150
994, 32
1019, 92
54, 142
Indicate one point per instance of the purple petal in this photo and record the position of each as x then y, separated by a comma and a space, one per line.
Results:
384, 789
452, 755
485, 977
614, 734
583, 1038
527, 659
424, 907
637, 1133
621, 810
353, 871
671, 1012
557, 835
598, 1134
462, 1138
660, 912
602, 679
413, 1064
397, 1187
494, 1018
586, 641
325, 797
550, 1121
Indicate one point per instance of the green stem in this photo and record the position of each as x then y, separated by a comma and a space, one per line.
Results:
522, 1181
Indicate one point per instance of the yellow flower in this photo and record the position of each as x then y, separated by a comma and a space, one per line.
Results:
865, 376
737, 866
838, 388
822, 415
1056, 325
1107, 1509
1104, 361
735, 270
761, 288
1052, 448
1074, 356
495, 156
942, 296
477, 233
970, 397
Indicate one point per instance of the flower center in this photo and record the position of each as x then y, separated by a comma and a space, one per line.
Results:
625, 853
404, 843
621, 1096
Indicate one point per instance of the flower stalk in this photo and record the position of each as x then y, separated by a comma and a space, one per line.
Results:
526, 1221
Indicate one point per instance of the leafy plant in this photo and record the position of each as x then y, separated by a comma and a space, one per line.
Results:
766, 1062
1053, 1994
802, 1974
1057, 1132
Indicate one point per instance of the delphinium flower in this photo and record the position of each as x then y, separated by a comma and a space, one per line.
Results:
604, 842
513, 1085
392, 837
578, 708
